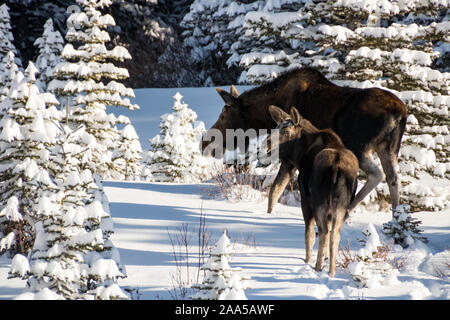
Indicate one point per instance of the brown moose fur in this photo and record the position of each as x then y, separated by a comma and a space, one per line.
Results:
367, 121
327, 180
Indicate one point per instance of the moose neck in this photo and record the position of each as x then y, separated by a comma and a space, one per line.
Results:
292, 151
256, 104
296, 150
307, 127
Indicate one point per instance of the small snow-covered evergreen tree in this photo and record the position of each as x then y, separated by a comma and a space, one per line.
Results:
88, 74
8, 70
128, 155
27, 132
221, 282
72, 256
6, 36
50, 46
9, 60
403, 228
83, 194
174, 155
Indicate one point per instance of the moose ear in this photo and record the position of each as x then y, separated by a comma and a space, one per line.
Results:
233, 91
277, 114
227, 98
295, 116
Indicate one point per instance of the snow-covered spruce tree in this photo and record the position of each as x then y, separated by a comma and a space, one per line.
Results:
221, 282
8, 70
262, 35
50, 46
211, 28
174, 155
6, 36
68, 259
88, 74
398, 53
322, 33
376, 262
8, 54
27, 132
403, 228
83, 192
390, 44
128, 155
268, 32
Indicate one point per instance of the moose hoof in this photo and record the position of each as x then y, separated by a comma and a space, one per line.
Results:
318, 267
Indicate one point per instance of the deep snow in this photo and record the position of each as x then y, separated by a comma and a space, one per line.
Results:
273, 259
268, 247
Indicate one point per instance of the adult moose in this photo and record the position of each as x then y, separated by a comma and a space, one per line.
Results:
327, 180
367, 120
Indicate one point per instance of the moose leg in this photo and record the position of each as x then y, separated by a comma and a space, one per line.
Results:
310, 238
320, 251
389, 162
374, 177
308, 217
276, 189
324, 237
335, 238
324, 246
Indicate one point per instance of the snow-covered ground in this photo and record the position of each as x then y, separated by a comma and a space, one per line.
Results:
268, 247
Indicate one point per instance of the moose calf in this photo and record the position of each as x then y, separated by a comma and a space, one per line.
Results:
327, 179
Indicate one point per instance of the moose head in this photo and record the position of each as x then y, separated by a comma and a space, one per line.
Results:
231, 117
289, 128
